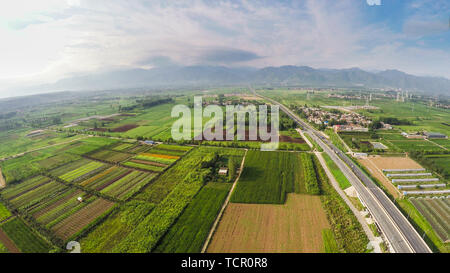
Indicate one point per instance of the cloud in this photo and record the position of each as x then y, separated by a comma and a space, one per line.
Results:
82, 37
227, 56
157, 61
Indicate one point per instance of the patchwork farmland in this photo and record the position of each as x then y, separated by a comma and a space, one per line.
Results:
283, 203
53, 204
118, 182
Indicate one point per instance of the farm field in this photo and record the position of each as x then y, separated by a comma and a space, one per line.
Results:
157, 223
168, 196
415, 145
110, 156
77, 221
158, 158
161, 187
24, 237
118, 182
116, 227
49, 202
292, 227
443, 142
189, 232
268, 176
441, 162
4, 212
337, 173
85, 170
133, 148
437, 213
16, 142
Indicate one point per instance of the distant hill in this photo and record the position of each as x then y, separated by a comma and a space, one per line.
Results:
219, 75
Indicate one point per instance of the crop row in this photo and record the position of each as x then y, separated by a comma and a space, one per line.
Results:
189, 232
82, 171
69, 167
267, 177
143, 166
437, 212
311, 183
110, 156
24, 237
128, 185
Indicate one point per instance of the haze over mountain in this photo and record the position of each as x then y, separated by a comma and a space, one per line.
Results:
177, 76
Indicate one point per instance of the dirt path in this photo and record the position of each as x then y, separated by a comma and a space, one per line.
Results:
304, 138
437, 144
357, 213
2, 180
213, 229
8, 243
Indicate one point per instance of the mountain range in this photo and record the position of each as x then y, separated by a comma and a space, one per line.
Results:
175, 76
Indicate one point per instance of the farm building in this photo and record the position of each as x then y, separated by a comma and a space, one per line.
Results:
429, 135
414, 180
403, 170
360, 154
408, 174
413, 136
421, 186
223, 171
349, 128
426, 192
149, 142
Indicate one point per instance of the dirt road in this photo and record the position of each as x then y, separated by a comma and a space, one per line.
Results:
2, 180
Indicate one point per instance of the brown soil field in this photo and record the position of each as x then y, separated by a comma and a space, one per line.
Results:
8, 243
293, 227
291, 139
74, 223
378, 174
124, 128
383, 162
99, 129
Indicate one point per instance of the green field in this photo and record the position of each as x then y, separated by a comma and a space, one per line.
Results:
82, 171
415, 145
4, 212
24, 237
268, 176
337, 173
189, 232
115, 228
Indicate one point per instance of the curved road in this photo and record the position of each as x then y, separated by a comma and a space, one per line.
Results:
401, 235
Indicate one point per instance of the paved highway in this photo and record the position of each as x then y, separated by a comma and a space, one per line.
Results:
401, 235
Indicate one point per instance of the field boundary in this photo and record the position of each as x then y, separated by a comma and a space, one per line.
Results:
227, 200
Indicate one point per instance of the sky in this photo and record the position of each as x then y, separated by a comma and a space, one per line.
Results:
43, 41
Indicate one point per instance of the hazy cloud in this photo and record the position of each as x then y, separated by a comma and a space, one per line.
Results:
58, 39
227, 56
